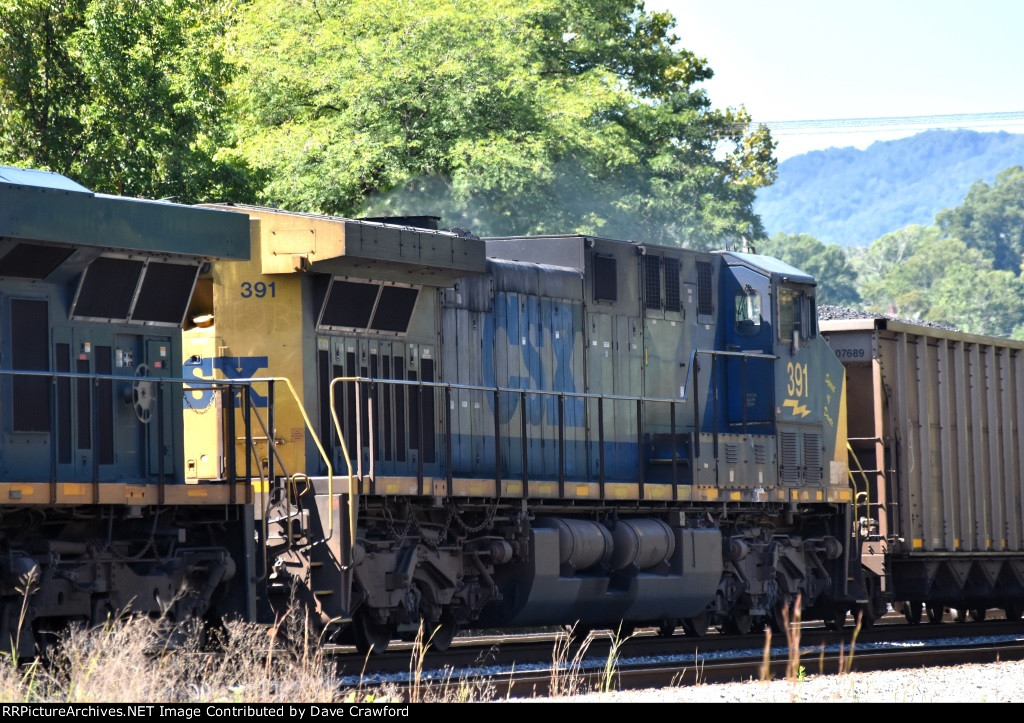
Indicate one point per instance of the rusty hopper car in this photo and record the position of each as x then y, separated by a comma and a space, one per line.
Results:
936, 419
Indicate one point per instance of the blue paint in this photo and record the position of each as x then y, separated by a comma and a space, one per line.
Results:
232, 367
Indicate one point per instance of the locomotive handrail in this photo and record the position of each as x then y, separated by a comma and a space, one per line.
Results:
448, 387
352, 510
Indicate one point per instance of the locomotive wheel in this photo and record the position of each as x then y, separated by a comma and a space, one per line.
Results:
780, 613
697, 626
371, 636
443, 634
912, 611
935, 613
960, 615
737, 624
666, 629
977, 614
836, 619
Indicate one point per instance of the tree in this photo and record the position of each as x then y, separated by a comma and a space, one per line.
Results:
837, 281
980, 302
125, 96
991, 219
504, 116
41, 85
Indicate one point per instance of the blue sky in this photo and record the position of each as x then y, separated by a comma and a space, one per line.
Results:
787, 60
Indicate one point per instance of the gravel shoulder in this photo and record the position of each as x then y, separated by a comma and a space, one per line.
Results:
991, 683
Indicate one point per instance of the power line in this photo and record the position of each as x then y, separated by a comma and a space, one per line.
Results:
891, 123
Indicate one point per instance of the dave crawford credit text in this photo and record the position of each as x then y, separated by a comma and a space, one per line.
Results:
213, 710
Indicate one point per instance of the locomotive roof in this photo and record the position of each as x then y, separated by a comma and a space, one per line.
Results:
769, 264
52, 208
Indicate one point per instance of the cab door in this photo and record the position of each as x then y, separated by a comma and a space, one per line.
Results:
749, 381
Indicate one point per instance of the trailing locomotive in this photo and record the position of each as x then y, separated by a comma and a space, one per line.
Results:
606, 433
234, 410
94, 517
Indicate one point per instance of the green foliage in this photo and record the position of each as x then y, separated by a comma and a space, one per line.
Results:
125, 96
920, 273
991, 218
40, 83
504, 116
837, 281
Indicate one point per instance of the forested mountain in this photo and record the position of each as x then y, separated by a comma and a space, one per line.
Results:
851, 197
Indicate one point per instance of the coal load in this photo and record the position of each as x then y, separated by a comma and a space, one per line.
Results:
837, 313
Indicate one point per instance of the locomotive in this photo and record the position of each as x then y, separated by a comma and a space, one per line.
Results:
235, 410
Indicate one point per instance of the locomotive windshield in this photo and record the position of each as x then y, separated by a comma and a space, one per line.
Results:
748, 311
797, 314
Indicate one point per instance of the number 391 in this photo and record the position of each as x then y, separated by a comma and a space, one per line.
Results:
258, 290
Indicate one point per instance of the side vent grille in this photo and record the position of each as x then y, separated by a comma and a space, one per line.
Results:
812, 458
705, 305
732, 453
673, 299
790, 458
760, 454
652, 282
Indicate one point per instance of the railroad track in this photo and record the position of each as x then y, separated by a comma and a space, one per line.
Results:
521, 666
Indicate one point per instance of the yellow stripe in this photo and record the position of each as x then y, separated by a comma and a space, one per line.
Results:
197, 492
735, 496
918, 543
582, 491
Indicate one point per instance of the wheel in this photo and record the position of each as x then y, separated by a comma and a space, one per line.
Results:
960, 615
697, 626
780, 616
912, 611
935, 613
371, 636
977, 614
737, 624
865, 614
624, 631
836, 619
666, 629
442, 634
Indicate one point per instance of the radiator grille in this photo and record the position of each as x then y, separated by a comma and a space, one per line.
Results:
812, 458
760, 454
732, 453
790, 458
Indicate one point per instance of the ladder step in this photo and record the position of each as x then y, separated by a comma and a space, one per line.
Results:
323, 593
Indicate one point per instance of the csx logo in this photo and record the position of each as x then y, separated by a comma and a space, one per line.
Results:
231, 367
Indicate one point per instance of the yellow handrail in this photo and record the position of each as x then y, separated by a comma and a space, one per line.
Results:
853, 483
352, 515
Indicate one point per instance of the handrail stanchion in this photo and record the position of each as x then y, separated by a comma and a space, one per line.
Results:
640, 462
497, 444
600, 442
672, 443
231, 452
561, 446
523, 444
448, 435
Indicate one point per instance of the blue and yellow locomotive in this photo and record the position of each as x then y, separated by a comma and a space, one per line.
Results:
230, 410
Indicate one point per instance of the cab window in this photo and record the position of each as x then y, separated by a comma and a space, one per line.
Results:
748, 312
797, 313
